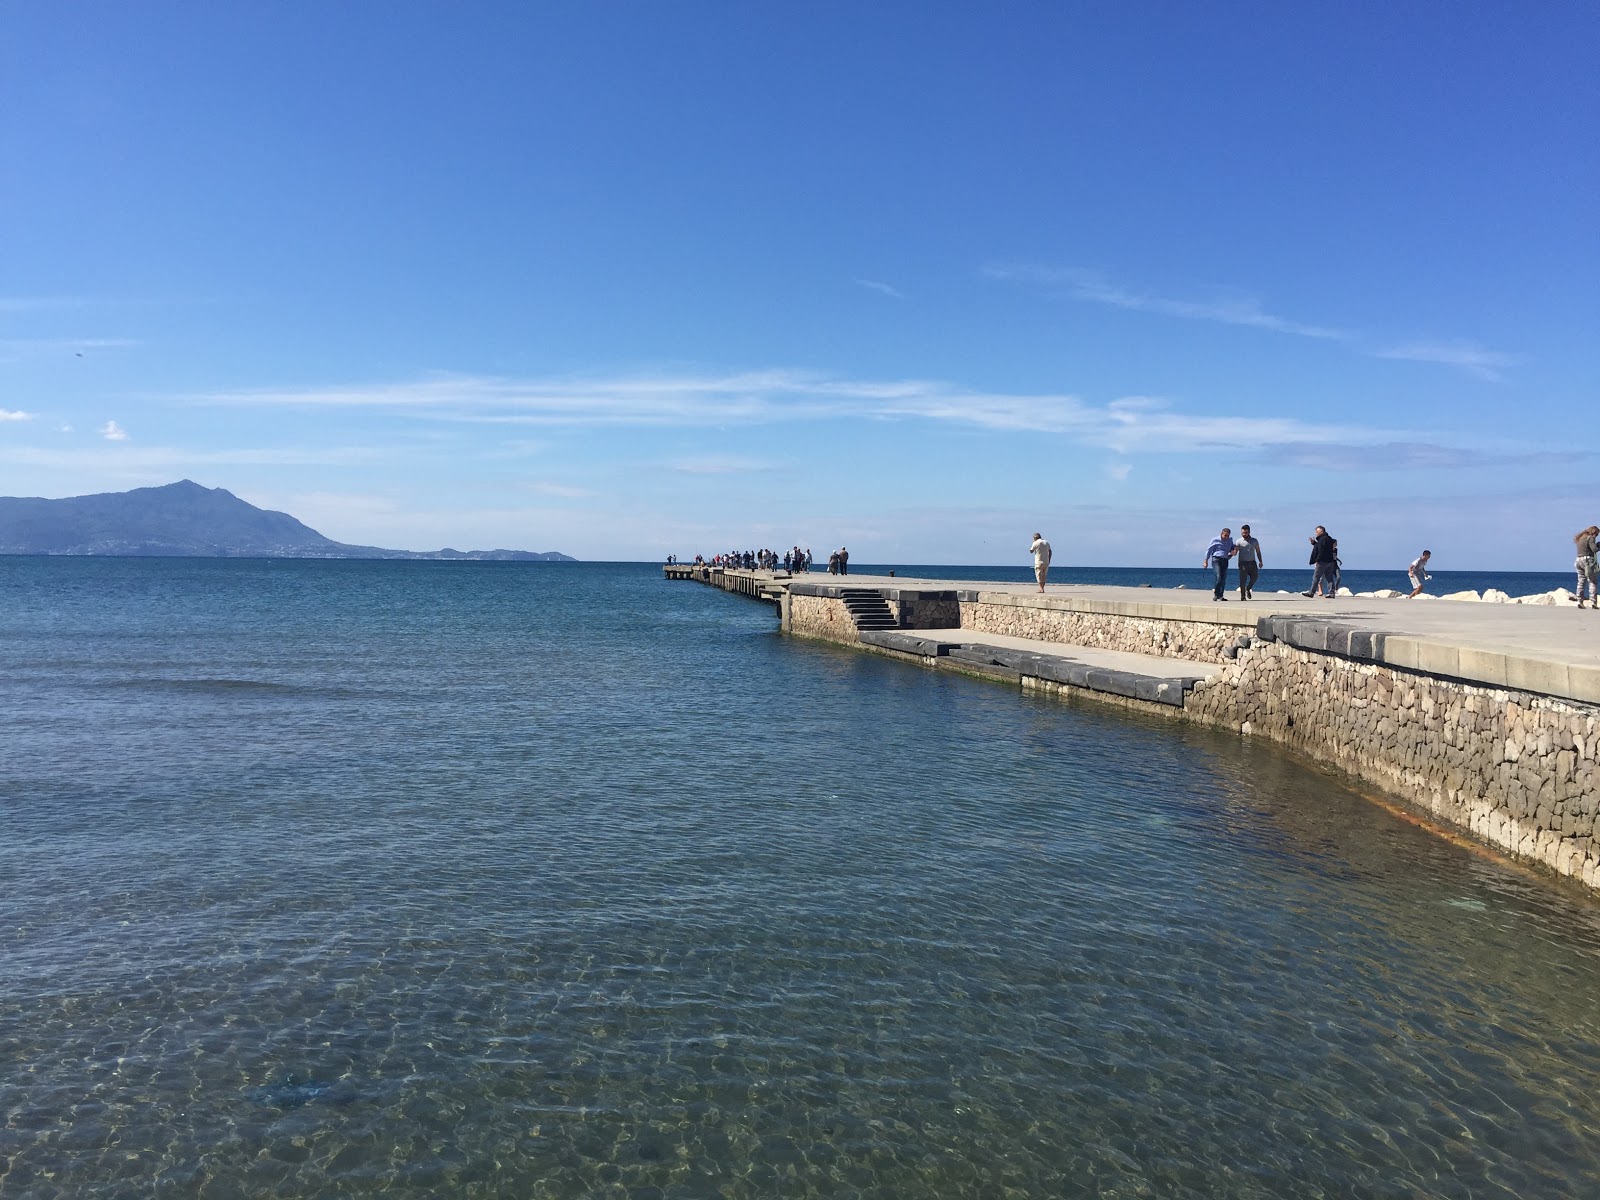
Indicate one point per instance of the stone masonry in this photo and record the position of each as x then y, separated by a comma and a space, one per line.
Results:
1519, 770
1192, 640
1522, 772
822, 617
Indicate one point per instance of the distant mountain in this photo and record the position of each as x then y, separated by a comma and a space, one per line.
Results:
185, 520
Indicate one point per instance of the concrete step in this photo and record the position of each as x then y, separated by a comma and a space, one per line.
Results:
1139, 677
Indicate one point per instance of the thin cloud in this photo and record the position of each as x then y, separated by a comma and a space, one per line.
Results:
1226, 308
719, 465
169, 457
876, 286
16, 350
1094, 287
14, 414
25, 304
1125, 426
1401, 456
1470, 357
112, 432
563, 490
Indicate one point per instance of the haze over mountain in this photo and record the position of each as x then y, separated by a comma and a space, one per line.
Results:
184, 520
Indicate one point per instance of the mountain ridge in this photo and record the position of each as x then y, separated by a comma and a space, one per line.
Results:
188, 520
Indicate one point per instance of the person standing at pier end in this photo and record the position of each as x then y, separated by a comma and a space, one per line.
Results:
1041, 558
1324, 564
844, 560
1218, 553
1250, 563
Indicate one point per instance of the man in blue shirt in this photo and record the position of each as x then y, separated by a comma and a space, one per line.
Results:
1217, 556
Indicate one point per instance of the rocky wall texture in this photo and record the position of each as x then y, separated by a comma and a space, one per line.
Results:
821, 617
927, 611
1193, 640
1522, 772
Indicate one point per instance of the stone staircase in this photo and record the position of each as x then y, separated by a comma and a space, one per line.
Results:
868, 609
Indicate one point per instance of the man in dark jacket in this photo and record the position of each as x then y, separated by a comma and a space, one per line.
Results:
1324, 563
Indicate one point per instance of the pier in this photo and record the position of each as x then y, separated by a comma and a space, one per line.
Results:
1484, 716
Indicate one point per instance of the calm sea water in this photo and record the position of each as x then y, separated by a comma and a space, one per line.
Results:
435, 879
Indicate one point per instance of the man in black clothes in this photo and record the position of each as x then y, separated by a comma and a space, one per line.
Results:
1324, 563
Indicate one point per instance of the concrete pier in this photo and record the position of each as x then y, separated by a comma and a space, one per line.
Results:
1484, 716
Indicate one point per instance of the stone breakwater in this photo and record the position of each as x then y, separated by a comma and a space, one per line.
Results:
1054, 622
1517, 770
1498, 739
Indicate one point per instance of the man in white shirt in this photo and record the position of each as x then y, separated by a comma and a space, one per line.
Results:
1419, 574
1041, 558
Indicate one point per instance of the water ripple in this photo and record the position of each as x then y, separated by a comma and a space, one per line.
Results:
429, 879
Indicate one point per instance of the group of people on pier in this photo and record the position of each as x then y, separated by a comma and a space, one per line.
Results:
1326, 567
793, 560
1247, 550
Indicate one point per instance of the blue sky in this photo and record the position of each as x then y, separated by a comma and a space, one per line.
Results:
625, 280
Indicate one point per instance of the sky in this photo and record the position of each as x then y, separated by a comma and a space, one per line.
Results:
632, 279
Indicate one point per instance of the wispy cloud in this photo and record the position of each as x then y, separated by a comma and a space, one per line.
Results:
112, 432
13, 414
1401, 456
27, 304
1485, 364
874, 285
37, 345
1225, 307
1239, 308
171, 457
565, 491
719, 465
1127, 425
14, 350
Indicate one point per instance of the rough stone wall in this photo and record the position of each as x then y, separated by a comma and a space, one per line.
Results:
1193, 640
927, 612
822, 617
1522, 772
1517, 770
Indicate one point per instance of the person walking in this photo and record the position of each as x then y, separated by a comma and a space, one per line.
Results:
1250, 563
1419, 573
1585, 544
1218, 553
1324, 564
1041, 558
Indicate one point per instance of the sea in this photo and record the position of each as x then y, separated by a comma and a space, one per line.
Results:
444, 879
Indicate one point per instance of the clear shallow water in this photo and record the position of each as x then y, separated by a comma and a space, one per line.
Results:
420, 879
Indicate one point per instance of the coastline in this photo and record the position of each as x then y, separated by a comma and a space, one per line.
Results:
1484, 718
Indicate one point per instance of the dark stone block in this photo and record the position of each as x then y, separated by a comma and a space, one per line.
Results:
1117, 683
1308, 635
977, 655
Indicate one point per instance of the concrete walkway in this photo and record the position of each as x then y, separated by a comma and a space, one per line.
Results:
1120, 673
1543, 649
